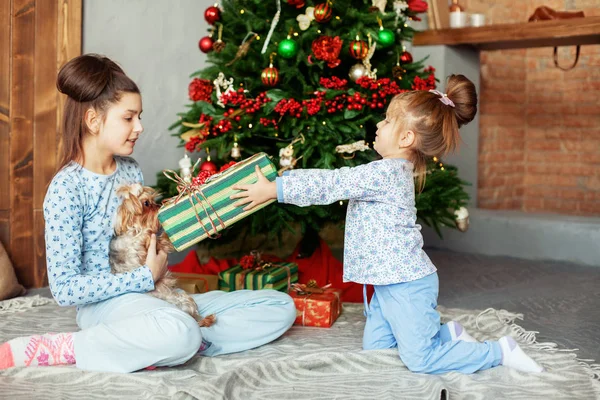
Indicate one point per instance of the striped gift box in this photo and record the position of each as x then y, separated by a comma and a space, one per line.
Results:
211, 204
274, 277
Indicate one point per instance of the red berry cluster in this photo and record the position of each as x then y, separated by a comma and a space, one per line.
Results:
229, 112
429, 70
337, 104
253, 105
289, 106
267, 122
201, 178
228, 165
206, 120
313, 105
194, 143
385, 86
424, 84
356, 101
222, 126
232, 97
200, 90
333, 83
247, 261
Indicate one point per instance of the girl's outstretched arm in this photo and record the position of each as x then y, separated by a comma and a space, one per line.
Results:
304, 187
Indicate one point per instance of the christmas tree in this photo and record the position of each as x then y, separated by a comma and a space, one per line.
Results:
306, 82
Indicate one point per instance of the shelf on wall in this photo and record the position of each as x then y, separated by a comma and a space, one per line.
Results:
566, 32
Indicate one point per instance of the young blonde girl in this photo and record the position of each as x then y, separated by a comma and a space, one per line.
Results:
383, 243
122, 328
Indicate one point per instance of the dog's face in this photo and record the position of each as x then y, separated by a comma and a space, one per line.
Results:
139, 210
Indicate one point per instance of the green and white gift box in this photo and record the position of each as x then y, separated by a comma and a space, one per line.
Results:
202, 211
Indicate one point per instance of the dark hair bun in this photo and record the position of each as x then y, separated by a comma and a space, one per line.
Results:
464, 95
84, 78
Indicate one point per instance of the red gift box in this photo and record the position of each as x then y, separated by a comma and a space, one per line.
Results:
315, 306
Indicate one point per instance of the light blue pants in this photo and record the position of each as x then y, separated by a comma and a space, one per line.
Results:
404, 316
134, 331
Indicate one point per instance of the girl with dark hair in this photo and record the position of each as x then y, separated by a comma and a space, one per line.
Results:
122, 328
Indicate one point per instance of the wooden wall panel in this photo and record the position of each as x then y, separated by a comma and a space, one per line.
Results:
69, 44
21, 140
5, 53
36, 38
45, 115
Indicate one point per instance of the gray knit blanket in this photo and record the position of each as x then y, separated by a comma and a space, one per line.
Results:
305, 363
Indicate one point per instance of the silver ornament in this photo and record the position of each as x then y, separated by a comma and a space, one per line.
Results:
235, 151
357, 71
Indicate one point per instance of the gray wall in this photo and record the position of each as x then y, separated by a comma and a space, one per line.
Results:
156, 43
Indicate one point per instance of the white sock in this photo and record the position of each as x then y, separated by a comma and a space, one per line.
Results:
514, 357
457, 332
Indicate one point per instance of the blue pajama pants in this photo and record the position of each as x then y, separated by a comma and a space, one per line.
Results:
403, 315
134, 331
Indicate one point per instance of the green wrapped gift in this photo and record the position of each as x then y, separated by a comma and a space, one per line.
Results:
271, 276
201, 212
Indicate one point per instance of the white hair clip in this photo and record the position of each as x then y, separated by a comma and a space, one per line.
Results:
443, 98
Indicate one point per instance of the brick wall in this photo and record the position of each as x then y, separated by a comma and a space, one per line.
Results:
539, 126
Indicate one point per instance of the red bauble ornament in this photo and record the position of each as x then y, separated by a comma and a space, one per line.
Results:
406, 58
205, 44
212, 15
358, 49
208, 166
323, 12
270, 76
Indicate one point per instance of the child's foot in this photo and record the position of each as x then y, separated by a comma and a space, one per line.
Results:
514, 357
48, 349
457, 332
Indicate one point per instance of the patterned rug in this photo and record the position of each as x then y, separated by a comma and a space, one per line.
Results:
306, 363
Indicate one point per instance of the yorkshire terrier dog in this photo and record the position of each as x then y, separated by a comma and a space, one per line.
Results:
137, 220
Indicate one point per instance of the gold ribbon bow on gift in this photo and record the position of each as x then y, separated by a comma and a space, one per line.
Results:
308, 290
194, 191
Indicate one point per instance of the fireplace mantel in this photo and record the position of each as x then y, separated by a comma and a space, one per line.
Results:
576, 31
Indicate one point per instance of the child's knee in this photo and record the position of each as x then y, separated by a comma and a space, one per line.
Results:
282, 305
178, 335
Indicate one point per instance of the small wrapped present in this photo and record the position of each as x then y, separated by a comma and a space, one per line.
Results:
318, 307
277, 276
201, 211
196, 283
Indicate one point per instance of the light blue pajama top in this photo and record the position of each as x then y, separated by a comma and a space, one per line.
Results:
383, 244
79, 211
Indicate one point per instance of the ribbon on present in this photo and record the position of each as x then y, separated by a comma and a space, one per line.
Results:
184, 189
259, 265
308, 290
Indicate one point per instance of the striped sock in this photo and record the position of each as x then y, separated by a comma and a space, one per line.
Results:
48, 349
